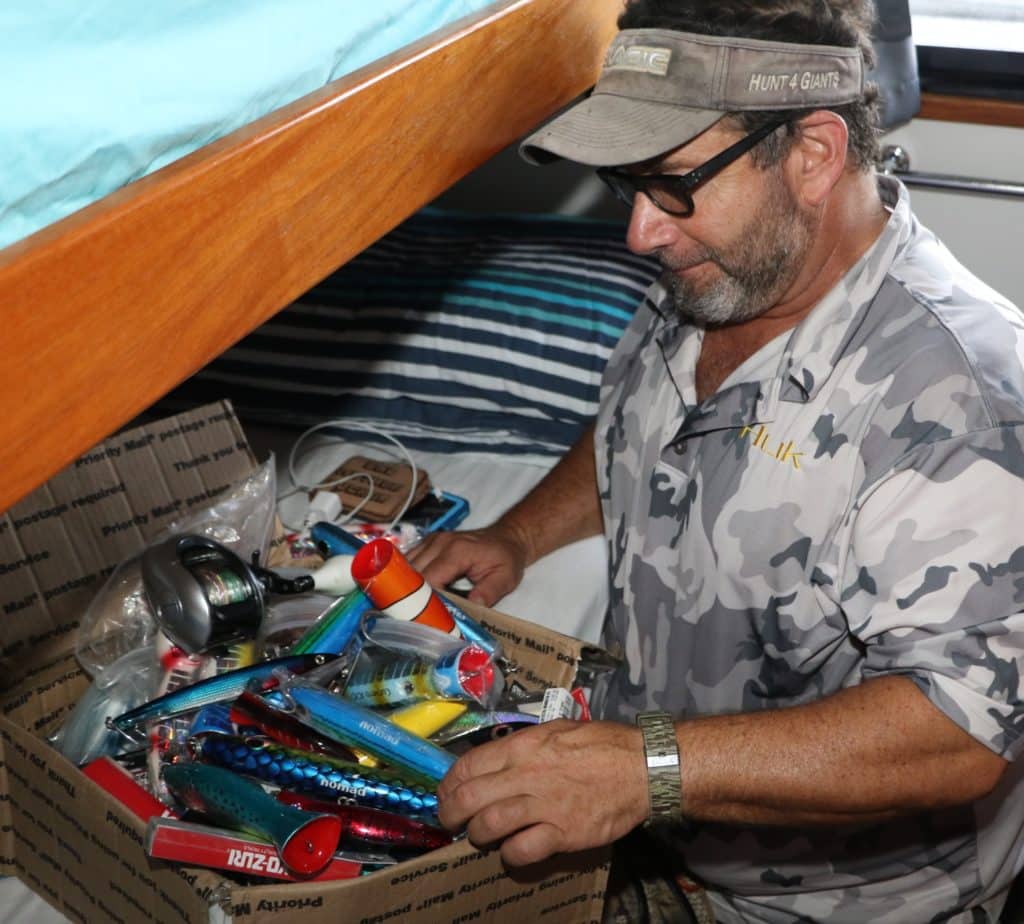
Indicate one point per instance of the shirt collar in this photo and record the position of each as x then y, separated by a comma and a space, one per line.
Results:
821, 338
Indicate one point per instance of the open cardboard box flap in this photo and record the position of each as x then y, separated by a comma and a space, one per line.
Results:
76, 845
59, 544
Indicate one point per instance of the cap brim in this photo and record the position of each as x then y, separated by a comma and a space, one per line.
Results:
607, 131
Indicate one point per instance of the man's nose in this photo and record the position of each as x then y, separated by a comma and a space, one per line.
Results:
649, 227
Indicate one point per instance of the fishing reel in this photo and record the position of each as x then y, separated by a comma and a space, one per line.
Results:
204, 596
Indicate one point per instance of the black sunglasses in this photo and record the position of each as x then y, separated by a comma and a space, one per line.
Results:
672, 192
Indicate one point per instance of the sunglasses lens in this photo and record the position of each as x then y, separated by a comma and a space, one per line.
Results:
662, 191
669, 197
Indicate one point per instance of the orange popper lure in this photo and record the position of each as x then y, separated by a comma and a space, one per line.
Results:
396, 588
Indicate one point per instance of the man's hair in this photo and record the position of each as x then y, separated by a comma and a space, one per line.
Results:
846, 23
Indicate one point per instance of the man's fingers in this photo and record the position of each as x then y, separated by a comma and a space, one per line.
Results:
505, 817
426, 550
490, 588
475, 780
533, 844
446, 560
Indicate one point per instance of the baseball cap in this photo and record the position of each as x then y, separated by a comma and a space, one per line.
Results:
660, 88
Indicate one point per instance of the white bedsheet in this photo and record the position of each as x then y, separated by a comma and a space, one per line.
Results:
566, 591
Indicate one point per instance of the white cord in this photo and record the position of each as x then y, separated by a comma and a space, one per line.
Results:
360, 427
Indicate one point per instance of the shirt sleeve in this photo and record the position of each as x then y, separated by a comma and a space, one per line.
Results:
933, 583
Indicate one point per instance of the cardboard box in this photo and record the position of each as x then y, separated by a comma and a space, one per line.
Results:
78, 847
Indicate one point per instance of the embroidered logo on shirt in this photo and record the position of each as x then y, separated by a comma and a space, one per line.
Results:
784, 452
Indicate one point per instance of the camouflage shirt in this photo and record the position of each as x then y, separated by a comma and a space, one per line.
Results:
847, 506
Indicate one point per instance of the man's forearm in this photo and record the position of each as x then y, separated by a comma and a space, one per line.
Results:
867, 753
563, 507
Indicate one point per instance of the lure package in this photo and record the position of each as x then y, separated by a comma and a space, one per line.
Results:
122, 686
365, 730
202, 845
466, 673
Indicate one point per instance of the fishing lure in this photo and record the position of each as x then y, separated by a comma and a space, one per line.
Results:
332, 540
373, 827
426, 718
467, 674
396, 588
122, 685
280, 726
318, 774
213, 690
304, 841
472, 631
422, 719
333, 631
477, 727
363, 730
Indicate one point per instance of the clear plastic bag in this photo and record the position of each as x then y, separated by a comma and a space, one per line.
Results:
121, 686
119, 619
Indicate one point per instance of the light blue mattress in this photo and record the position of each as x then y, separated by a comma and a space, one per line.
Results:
97, 93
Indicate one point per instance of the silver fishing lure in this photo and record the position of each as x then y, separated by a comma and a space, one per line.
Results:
217, 689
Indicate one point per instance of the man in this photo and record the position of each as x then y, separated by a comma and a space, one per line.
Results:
807, 463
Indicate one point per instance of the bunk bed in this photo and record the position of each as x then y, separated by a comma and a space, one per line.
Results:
110, 307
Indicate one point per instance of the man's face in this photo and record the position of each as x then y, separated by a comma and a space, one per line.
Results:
741, 250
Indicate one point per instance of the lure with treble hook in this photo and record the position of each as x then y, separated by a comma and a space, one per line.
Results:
477, 727
318, 774
281, 726
305, 842
367, 827
213, 690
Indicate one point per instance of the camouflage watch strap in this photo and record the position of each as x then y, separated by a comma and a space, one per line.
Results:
664, 780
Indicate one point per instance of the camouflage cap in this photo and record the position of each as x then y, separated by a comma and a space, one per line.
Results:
660, 88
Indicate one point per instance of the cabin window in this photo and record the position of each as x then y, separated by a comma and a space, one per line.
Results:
970, 47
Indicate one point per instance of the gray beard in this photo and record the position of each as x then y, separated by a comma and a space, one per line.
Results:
757, 270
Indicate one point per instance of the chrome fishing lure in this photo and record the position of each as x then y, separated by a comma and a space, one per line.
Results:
367, 827
213, 690
280, 726
318, 774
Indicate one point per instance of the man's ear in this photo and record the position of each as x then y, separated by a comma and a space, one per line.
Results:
818, 158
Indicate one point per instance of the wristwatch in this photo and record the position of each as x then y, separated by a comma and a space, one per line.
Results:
664, 780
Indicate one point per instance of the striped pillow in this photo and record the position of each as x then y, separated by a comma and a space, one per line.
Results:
453, 332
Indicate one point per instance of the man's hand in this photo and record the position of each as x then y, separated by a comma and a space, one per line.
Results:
557, 787
494, 559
